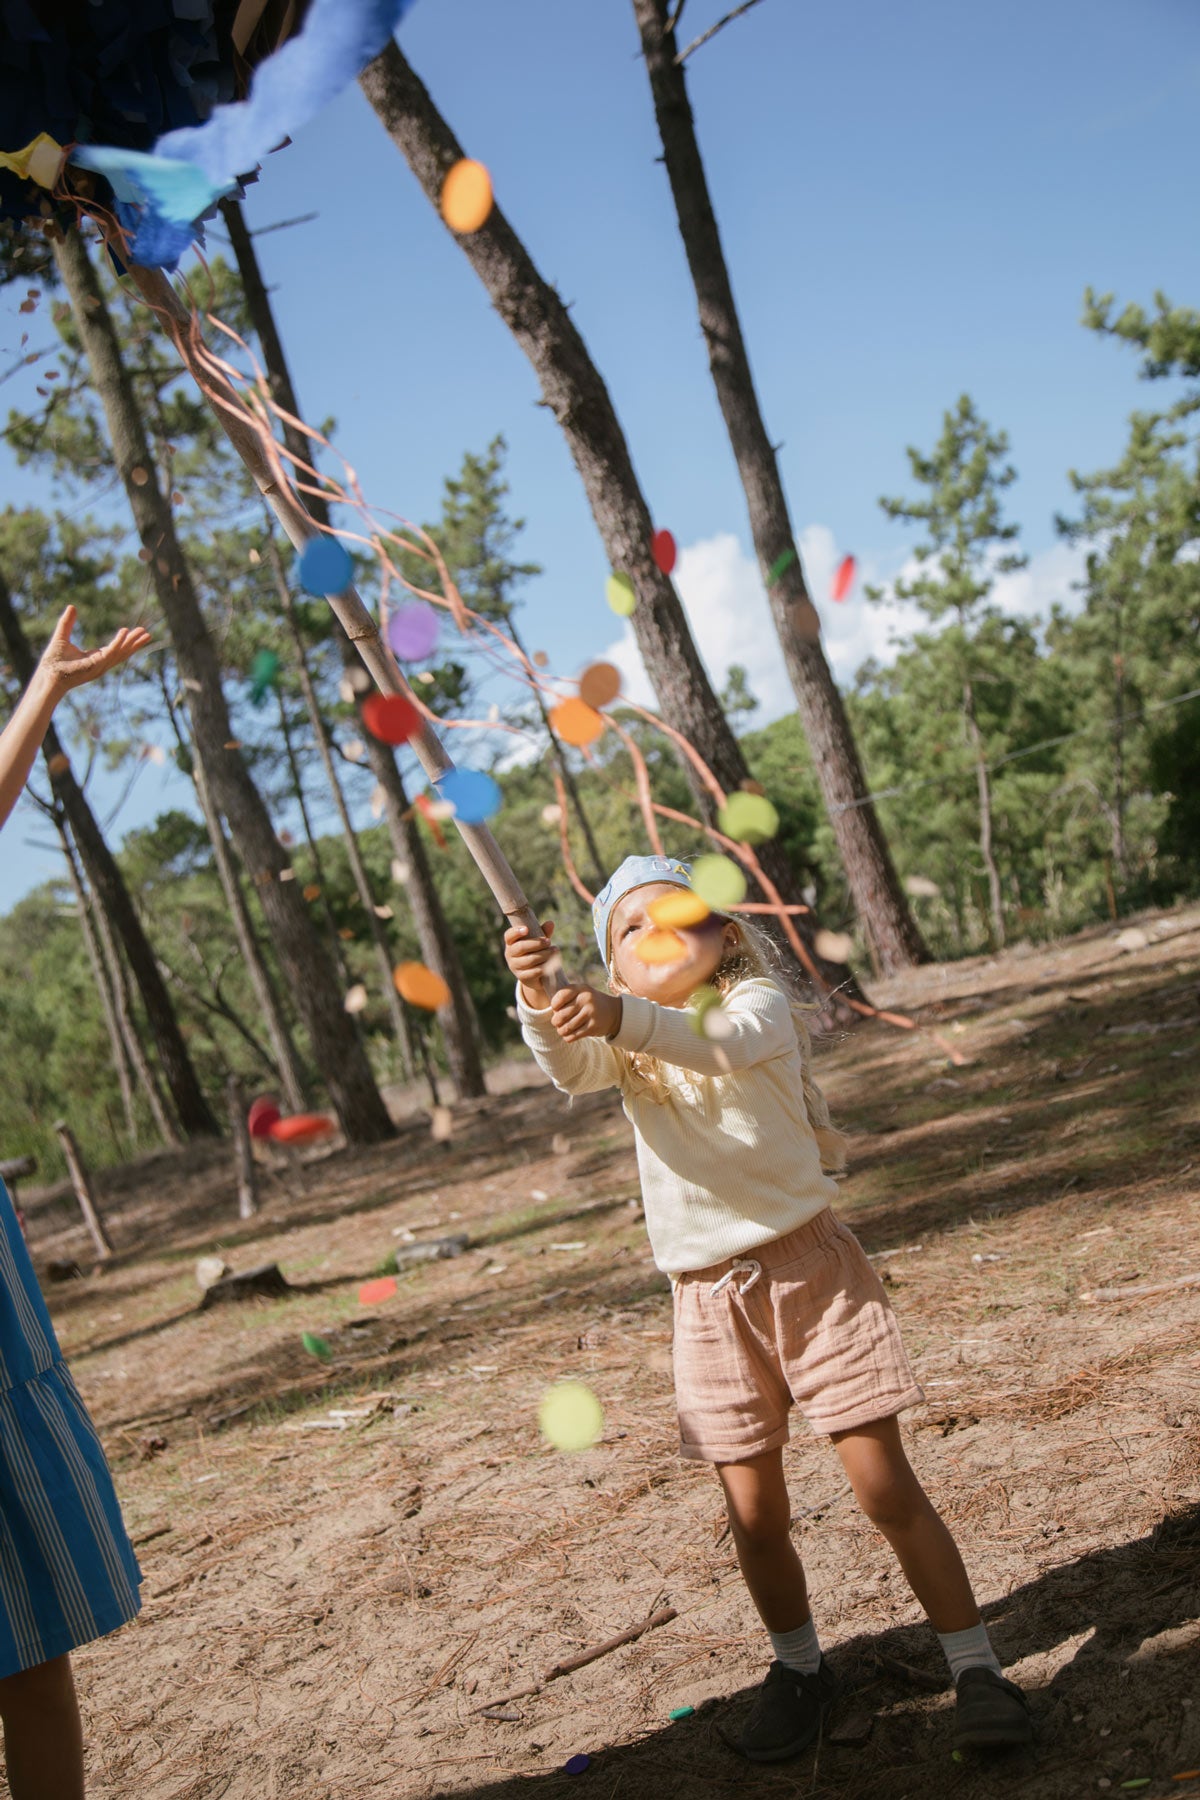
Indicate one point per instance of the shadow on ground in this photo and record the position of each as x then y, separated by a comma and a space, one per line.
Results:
1111, 1713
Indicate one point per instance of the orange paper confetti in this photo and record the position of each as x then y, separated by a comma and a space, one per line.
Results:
420, 986
576, 723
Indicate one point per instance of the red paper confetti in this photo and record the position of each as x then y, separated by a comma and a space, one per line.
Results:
843, 581
425, 808
372, 1292
301, 1128
663, 550
390, 718
262, 1116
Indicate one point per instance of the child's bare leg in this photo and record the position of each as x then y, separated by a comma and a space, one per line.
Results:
43, 1736
760, 1518
894, 1500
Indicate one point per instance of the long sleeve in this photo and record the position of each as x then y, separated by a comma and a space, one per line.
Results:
582, 1068
760, 1021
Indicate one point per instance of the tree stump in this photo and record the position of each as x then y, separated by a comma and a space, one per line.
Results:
265, 1282
84, 1192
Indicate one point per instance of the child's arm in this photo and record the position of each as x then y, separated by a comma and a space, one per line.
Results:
758, 1020
62, 667
575, 1067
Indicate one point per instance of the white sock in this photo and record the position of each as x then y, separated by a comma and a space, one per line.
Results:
970, 1649
798, 1649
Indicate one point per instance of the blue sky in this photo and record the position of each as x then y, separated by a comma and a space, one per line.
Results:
912, 202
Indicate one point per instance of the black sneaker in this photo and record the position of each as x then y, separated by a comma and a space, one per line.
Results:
990, 1713
788, 1712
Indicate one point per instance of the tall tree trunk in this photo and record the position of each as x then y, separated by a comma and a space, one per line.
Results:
574, 391
160, 1112
358, 868
870, 871
1118, 744
307, 971
568, 777
438, 949
288, 1070
975, 739
460, 1028
120, 1054
113, 898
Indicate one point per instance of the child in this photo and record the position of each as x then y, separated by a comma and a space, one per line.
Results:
67, 1570
775, 1302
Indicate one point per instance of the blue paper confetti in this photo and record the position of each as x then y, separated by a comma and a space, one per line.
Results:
473, 795
325, 566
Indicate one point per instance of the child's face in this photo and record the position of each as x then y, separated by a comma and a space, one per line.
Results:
673, 983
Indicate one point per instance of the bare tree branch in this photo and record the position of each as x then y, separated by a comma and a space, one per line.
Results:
673, 21
713, 29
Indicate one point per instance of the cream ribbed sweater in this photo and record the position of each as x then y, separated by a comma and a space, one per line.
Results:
729, 1161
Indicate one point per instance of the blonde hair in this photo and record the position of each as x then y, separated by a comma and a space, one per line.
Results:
754, 957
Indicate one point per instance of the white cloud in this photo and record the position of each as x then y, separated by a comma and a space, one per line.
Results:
726, 606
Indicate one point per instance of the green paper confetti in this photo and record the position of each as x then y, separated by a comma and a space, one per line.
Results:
619, 592
681, 1712
316, 1346
749, 818
780, 564
264, 673
1141, 1781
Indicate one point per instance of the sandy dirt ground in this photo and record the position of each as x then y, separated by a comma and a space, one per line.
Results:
347, 1562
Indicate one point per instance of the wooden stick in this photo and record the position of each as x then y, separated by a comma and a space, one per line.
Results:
84, 1192
243, 1155
1140, 1290
662, 1617
347, 606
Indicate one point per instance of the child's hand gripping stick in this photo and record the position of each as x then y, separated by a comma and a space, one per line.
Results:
533, 959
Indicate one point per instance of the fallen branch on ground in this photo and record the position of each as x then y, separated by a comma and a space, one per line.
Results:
663, 1617
1139, 1290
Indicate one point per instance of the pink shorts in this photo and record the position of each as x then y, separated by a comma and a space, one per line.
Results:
813, 1327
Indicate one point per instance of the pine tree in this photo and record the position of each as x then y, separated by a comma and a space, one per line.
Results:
959, 560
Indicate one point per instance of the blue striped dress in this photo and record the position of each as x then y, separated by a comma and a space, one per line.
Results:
68, 1573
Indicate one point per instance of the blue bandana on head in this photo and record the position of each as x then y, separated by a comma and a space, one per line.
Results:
634, 872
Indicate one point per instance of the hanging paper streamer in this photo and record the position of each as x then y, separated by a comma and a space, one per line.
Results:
40, 161
843, 581
164, 192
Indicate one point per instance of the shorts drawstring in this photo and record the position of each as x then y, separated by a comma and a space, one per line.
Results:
740, 1266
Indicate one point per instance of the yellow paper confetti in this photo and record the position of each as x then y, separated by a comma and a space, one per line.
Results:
570, 1416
